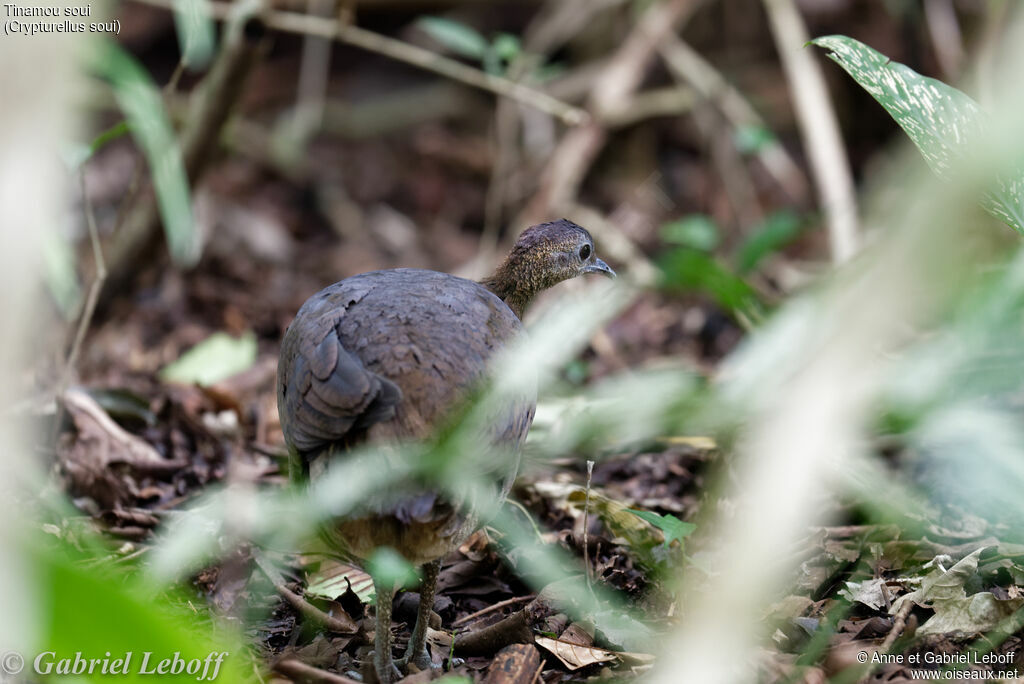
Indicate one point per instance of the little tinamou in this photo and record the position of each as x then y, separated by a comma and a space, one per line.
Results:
384, 356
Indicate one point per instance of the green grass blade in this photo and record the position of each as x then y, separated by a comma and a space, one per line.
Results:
195, 32
143, 108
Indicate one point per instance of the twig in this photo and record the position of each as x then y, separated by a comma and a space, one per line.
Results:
611, 93
506, 129
313, 74
304, 607
491, 608
94, 288
586, 524
99, 276
689, 66
735, 177
898, 624
301, 672
819, 127
293, 22
669, 101
513, 629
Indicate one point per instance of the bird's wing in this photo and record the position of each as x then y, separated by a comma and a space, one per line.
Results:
324, 391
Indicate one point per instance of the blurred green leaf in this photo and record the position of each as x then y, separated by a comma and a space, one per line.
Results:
112, 133
698, 231
217, 357
456, 36
689, 270
942, 121
672, 527
752, 138
196, 36
77, 154
507, 46
143, 108
61, 277
777, 230
387, 566
577, 371
95, 612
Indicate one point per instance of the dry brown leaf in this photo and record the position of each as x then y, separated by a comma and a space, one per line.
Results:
109, 442
574, 656
332, 580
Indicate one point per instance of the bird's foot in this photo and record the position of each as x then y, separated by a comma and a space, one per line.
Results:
379, 666
421, 661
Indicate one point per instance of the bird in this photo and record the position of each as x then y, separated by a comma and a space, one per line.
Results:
386, 356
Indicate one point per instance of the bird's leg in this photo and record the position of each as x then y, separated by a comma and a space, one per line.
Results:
416, 653
382, 660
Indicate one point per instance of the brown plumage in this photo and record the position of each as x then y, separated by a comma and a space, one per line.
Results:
384, 356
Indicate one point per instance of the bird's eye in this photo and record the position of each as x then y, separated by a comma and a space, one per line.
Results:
584, 252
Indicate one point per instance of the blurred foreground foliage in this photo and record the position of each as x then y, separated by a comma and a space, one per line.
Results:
948, 397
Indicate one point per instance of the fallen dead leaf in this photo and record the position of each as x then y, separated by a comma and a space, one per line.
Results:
574, 656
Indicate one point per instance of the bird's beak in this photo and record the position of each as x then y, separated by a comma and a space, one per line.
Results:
599, 267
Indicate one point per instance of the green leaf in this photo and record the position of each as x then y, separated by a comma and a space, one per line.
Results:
752, 138
456, 36
389, 567
217, 357
143, 107
942, 121
77, 154
698, 231
689, 270
777, 230
507, 46
101, 614
195, 32
672, 527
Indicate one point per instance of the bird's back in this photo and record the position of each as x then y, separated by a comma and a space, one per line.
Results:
385, 356
428, 334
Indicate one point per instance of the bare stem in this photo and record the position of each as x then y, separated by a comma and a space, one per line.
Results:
586, 525
293, 22
89, 309
819, 127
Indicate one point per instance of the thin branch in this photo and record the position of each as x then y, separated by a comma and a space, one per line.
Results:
689, 66
311, 98
612, 90
491, 608
94, 289
301, 672
293, 22
304, 607
819, 127
99, 276
586, 525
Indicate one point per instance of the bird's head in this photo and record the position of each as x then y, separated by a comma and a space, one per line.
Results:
545, 255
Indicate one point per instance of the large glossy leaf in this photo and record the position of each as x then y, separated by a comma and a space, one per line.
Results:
942, 121
143, 108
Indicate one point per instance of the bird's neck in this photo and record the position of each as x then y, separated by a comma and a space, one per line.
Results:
514, 285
